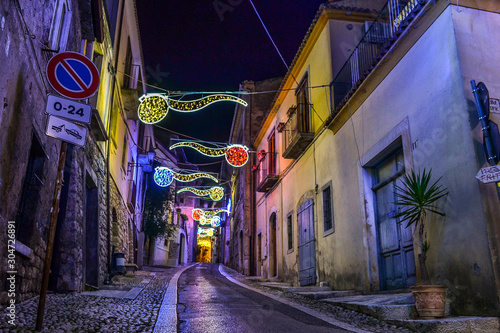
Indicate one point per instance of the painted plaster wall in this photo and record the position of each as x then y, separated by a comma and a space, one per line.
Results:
298, 181
478, 30
427, 88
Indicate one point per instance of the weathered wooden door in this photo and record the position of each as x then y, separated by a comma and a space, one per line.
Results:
307, 245
396, 256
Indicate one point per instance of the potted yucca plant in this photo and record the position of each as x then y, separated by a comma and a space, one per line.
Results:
418, 197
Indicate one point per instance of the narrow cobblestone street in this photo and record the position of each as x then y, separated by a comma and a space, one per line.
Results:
85, 313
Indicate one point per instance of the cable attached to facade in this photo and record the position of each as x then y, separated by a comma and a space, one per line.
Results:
27, 32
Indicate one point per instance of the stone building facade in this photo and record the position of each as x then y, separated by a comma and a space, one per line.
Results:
32, 32
238, 235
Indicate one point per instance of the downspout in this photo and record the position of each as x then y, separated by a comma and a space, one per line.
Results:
108, 150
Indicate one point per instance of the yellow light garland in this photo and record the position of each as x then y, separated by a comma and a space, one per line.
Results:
216, 193
153, 108
188, 106
192, 176
212, 152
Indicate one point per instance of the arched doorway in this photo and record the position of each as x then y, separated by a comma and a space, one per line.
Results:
273, 247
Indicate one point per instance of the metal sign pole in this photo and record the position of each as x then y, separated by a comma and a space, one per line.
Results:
50, 240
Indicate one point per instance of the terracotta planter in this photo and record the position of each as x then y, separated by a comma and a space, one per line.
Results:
429, 301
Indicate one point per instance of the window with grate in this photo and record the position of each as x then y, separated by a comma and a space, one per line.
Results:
289, 228
327, 209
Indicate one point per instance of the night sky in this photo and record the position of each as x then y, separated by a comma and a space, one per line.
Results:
194, 45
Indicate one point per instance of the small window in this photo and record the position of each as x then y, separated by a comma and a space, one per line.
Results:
125, 152
30, 197
289, 228
128, 66
327, 209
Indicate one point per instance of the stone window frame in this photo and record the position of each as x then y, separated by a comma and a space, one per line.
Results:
61, 22
399, 135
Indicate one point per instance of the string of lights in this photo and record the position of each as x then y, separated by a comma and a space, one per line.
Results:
215, 193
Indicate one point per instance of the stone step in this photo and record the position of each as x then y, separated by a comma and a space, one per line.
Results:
452, 324
381, 306
308, 289
328, 294
276, 285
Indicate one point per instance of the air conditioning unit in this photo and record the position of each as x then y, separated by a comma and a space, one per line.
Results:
375, 32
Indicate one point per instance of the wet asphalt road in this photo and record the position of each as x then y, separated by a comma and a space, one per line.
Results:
208, 302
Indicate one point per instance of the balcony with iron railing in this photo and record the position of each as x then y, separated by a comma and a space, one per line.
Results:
380, 36
266, 173
297, 131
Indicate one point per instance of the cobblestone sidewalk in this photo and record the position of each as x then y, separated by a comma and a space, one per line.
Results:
85, 313
354, 318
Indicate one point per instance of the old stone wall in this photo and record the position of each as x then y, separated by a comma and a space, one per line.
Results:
120, 224
22, 121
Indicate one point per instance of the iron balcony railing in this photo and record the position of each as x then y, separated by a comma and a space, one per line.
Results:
379, 36
266, 173
297, 131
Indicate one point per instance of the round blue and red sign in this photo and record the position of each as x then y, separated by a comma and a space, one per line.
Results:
73, 75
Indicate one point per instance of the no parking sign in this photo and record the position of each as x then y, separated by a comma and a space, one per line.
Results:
73, 75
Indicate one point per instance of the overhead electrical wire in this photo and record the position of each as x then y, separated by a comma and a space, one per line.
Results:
242, 92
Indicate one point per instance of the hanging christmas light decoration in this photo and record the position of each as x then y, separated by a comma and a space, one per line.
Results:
205, 221
206, 232
154, 107
215, 193
164, 176
236, 155
197, 214
215, 222
206, 217
198, 104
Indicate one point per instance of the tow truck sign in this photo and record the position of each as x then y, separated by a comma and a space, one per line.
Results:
65, 130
